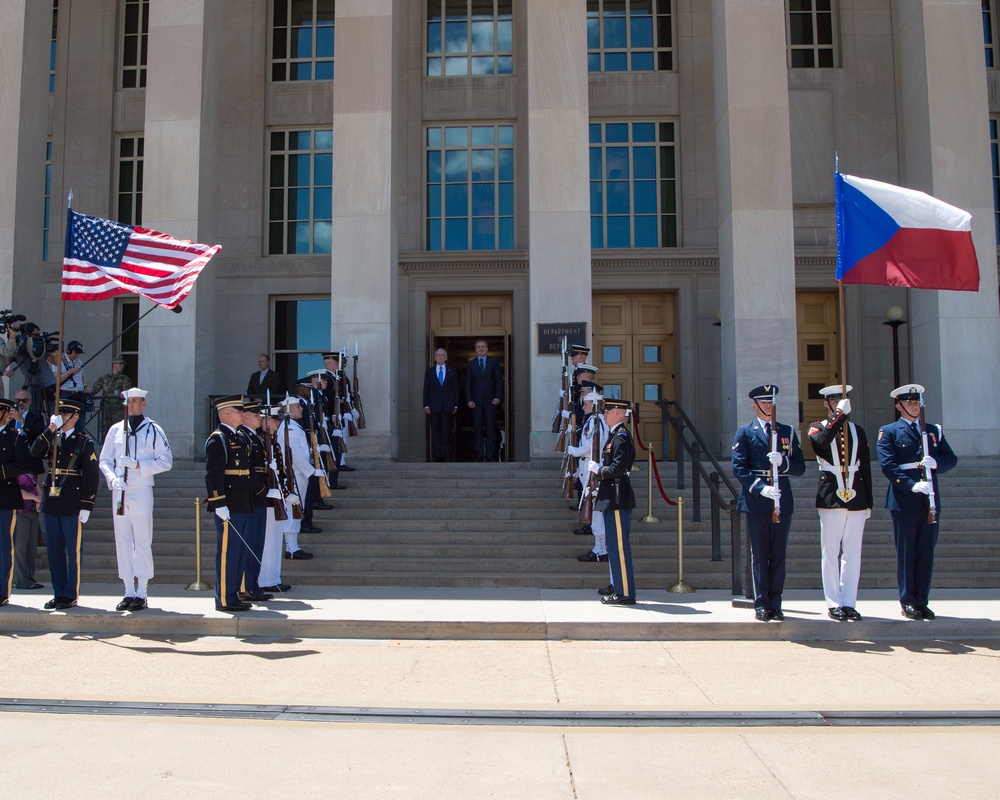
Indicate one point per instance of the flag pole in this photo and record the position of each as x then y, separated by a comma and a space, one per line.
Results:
62, 324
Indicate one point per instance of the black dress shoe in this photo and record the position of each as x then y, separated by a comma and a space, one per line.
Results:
762, 614
310, 529
298, 555
321, 506
912, 612
583, 530
618, 600
125, 604
36, 586
838, 613
261, 597
590, 555
346, 468
778, 614
852, 614
50, 604
337, 488
278, 587
607, 590
239, 606
925, 612
138, 604
4, 600
64, 603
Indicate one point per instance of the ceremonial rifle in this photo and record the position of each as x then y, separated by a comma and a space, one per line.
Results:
928, 472
120, 511
273, 454
317, 460
356, 393
352, 427
290, 466
776, 513
560, 405
586, 513
337, 421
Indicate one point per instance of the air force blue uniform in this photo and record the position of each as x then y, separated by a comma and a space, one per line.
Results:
900, 449
768, 540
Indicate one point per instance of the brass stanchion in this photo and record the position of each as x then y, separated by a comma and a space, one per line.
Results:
680, 587
198, 585
649, 487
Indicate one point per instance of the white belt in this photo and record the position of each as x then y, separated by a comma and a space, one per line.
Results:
826, 466
845, 488
914, 465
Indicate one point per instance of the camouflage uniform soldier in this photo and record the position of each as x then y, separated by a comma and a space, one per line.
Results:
111, 385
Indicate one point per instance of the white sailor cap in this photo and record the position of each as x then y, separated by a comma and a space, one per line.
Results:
131, 394
319, 373
911, 391
291, 400
591, 397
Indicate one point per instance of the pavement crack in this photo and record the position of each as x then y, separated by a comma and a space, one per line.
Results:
569, 766
552, 671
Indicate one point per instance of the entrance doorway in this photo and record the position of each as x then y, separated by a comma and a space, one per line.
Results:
818, 357
633, 351
456, 322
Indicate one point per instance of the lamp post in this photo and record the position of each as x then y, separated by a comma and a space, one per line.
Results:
894, 318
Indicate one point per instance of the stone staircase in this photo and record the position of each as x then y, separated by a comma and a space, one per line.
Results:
504, 525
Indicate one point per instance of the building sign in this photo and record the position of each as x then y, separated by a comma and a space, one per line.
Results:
550, 336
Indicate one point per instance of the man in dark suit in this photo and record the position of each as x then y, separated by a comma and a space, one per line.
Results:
265, 379
758, 453
910, 452
440, 403
484, 391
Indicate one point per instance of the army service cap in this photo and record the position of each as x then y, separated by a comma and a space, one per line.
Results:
579, 350
69, 407
5, 404
611, 405
230, 401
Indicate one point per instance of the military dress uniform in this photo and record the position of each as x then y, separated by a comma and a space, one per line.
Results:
844, 501
593, 425
615, 501
70, 496
227, 478
143, 441
14, 461
900, 451
256, 527
752, 468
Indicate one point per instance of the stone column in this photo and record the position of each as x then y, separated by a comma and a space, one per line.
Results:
178, 360
756, 245
25, 32
946, 152
558, 192
364, 287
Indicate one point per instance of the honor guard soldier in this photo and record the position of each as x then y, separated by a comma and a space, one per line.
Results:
134, 450
227, 477
762, 453
253, 535
72, 486
278, 512
295, 446
843, 499
911, 454
15, 460
339, 387
615, 501
593, 425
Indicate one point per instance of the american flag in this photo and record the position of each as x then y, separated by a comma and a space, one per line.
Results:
105, 259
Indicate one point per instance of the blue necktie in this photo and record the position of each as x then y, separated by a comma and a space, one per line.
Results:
441, 375
482, 365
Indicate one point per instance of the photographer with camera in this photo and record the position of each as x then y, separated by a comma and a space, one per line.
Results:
30, 347
71, 383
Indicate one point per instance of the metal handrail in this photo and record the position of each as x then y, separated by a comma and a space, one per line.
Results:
697, 450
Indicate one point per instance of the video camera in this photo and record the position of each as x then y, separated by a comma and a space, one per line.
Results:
8, 319
36, 344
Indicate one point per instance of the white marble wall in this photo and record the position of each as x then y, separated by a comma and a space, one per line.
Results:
756, 250
946, 153
364, 298
559, 211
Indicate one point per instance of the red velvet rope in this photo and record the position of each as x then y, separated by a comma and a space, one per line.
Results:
652, 460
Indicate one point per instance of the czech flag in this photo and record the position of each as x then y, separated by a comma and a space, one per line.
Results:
890, 236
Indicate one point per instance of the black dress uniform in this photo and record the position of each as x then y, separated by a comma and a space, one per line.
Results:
752, 468
227, 477
14, 461
615, 500
254, 533
69, 492
900, 451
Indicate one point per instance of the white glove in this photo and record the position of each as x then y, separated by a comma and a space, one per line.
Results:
929, 462
338, 433
868, 513
566, 415
118, 485
921, 487
844, 406
771, 493
318, 473
126, 461
562, 393
324, 448
578, 451
294, 499
593, 467
273, 465
775, 458
222, 512
56, 420
356, 414
274, 494
84, 516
